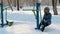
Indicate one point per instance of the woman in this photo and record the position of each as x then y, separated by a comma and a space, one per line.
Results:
46, 21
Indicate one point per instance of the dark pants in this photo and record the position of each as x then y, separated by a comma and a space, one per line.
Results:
44, 23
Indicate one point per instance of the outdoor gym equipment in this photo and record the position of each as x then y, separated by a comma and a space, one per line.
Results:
10, 23
2, 16
37, 13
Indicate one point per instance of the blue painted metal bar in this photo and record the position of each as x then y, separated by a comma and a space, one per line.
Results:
37, 13
2, 15
2, 24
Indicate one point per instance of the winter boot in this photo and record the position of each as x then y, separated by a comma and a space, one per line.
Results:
42, 27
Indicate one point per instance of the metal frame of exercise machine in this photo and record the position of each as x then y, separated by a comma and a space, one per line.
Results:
37, 14
2, 15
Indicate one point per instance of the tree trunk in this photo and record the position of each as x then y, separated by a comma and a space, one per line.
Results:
54, 4
18, 5
14, 3
59, 1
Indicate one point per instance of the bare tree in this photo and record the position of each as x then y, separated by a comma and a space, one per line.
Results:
59, 1
18, 5
15, 3
54, 4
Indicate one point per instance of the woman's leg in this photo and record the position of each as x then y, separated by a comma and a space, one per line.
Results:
41, 23
47, 24
42, 26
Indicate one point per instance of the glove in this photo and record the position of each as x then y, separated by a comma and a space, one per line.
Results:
45, 21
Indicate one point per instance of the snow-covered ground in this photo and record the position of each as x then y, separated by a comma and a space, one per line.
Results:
25, 22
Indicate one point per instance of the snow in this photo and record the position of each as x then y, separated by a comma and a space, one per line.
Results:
25, 23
